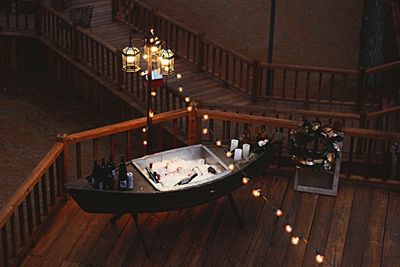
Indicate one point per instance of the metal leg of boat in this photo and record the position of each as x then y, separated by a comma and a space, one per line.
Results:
235, 211
115, 218
135, 218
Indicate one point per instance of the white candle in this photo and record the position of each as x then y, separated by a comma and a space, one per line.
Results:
234, 144
238, 154
246, 150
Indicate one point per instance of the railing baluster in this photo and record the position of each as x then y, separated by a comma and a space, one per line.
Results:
29, 213
78, 160
37, 204
21, 221
13, 235
4, 239
44, 196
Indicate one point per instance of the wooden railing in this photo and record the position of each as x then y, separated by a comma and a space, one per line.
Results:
19, 15
22, 217
366, 157
290, 82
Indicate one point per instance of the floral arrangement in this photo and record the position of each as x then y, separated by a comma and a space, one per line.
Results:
314, 145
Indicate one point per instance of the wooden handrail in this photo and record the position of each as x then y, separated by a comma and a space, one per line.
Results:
371, 134
220, 115
383, 67
37, 173
309, 68
123, 126
383, 112
302, 112
88, 34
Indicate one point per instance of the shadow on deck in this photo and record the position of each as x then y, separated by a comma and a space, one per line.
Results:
358, 227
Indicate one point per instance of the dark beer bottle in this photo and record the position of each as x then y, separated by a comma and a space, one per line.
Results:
111, 174
122, 175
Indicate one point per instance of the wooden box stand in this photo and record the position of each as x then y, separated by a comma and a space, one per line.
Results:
320, 182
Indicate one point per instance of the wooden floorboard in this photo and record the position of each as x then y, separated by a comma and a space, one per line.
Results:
358, 227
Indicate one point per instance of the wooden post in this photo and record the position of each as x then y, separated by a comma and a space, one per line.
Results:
360, 102
61, 138
255, 77
200, 52
38, 17
192, 127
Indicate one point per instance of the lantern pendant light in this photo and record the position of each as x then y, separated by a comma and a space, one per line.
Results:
130, 58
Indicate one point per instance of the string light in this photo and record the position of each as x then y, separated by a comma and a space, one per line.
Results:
256, 192
178, 76
288, 228
218, 143
295, 240
187, 99
151, 114
180, 89
153, 93
145, 142
205, 131
319, 258
205, 117
144, 129
189, 108
278, 212
228, 154
231, 167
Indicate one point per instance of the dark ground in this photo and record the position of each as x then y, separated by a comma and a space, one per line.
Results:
32, 112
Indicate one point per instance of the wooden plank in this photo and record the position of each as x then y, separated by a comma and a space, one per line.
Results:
320, 229
357, 231
280, 240
339, 225
391, 245
250, 249
250, 209
304, 219
376, 228
166, 238
105, 242
89, 238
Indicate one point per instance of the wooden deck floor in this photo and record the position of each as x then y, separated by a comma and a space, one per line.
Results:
197, 85
359, 227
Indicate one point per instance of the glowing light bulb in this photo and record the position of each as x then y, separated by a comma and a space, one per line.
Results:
142, 73
153, 49
153, 93
151, 114
229, 154
256, 192
151, 40
205, 117
178, 76
295, 240
180, 89
144, 129
145, 56
288, 228
218, 143
145, 142
187, 99
278, 212
205, 131
319, 258
245, 180
231, 167
189, 108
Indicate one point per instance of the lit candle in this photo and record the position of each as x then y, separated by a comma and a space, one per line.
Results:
234, 144
238, 154
246, 150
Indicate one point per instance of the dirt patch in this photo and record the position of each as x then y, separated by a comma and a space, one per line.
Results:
32, 112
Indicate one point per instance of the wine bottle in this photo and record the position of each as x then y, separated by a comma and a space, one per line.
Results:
111, 174
102, 175
95, 175
122, 175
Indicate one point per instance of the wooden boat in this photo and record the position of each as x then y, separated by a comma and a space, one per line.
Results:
147, 198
